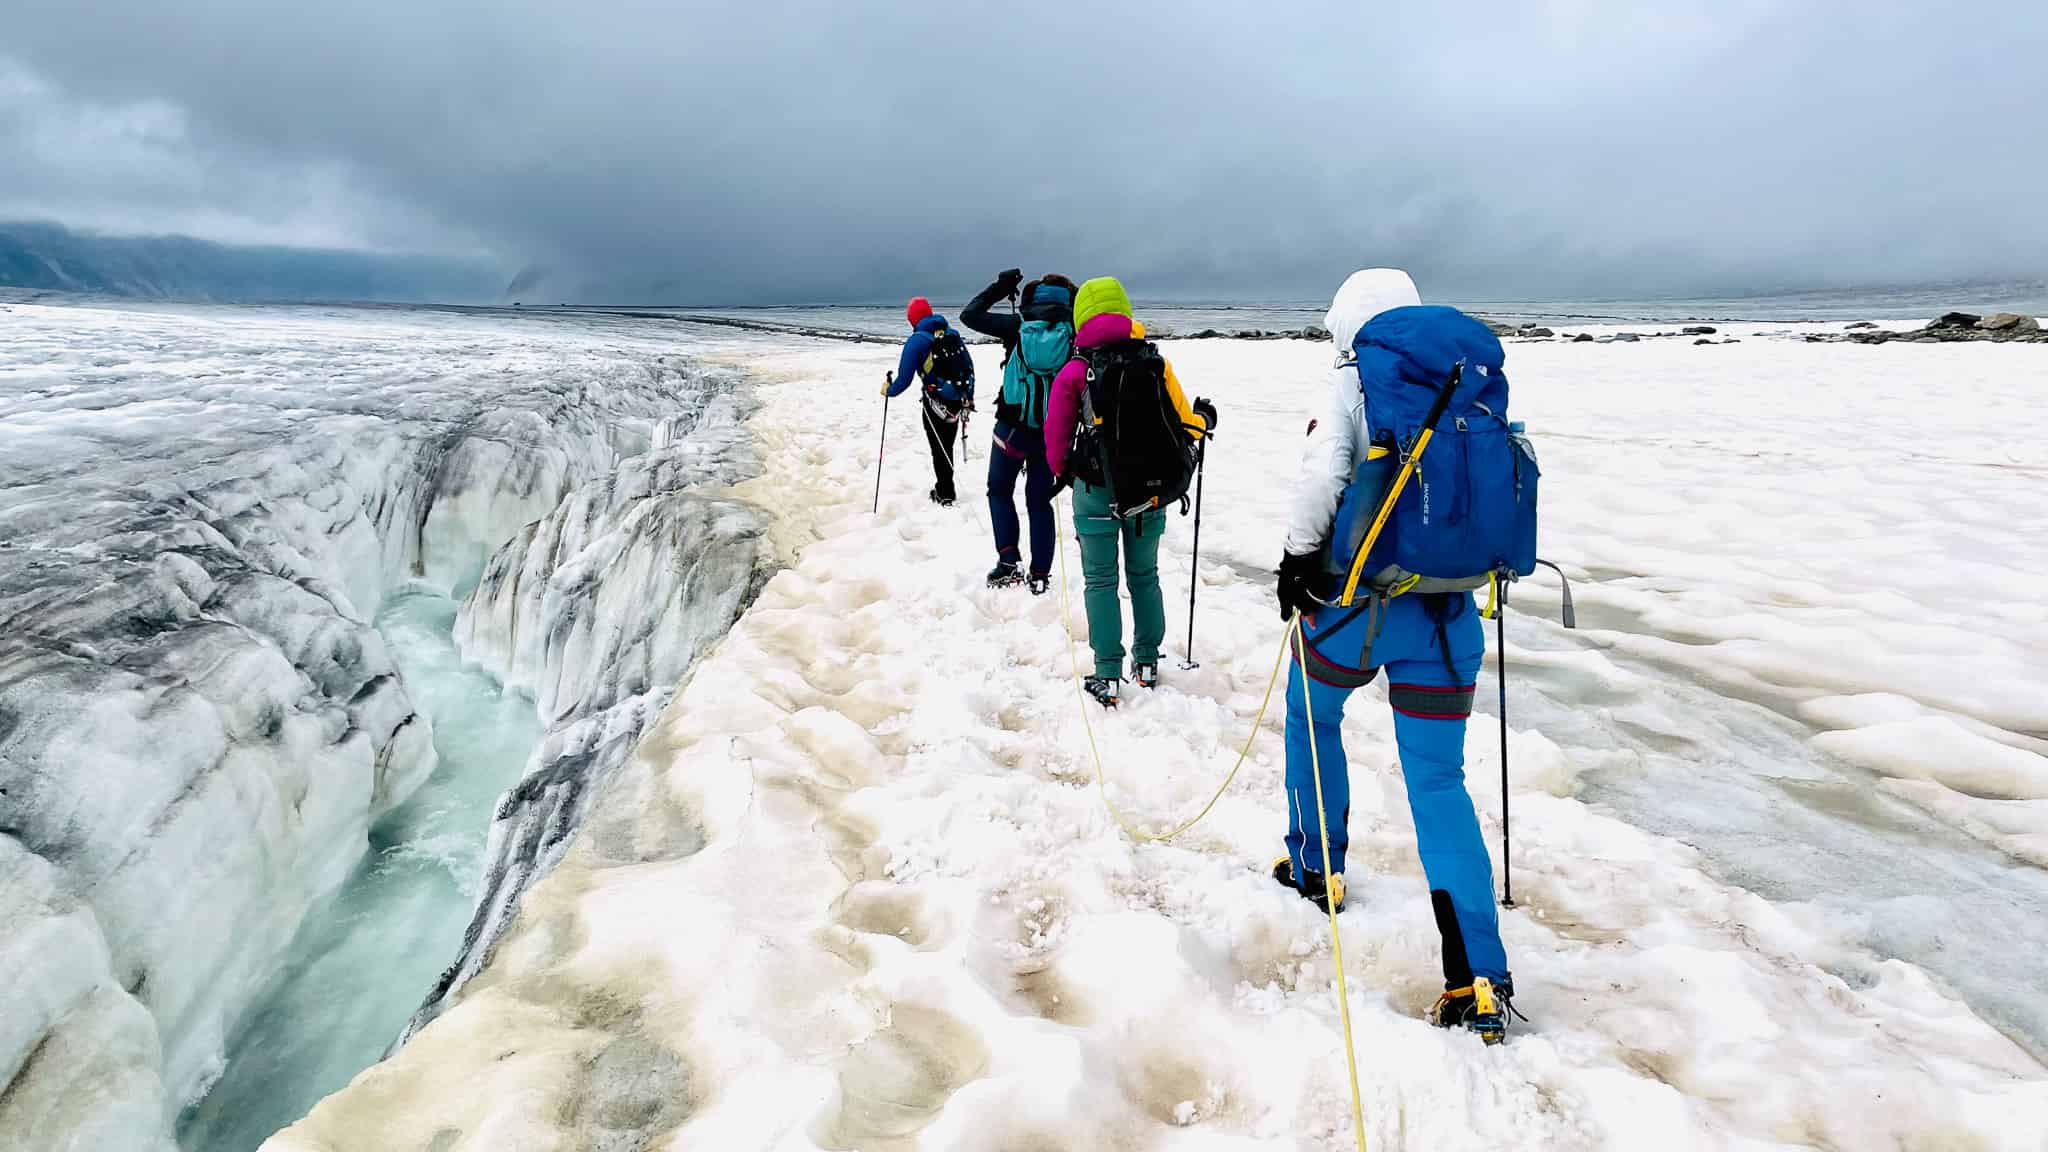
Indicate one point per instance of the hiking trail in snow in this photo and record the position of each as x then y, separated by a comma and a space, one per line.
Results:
856, 889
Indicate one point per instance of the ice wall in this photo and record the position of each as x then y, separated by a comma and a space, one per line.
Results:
200, 511
598, 609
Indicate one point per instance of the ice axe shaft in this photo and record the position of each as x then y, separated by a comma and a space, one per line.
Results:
1408, 463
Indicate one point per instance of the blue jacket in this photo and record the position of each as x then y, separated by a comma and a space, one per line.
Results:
917, 353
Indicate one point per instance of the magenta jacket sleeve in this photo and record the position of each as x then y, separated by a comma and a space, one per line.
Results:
1063, 412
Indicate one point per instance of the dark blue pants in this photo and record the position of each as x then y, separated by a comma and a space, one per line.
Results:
1431, 698
1002, 506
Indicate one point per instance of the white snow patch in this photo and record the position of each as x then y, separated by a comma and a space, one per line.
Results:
1937, 749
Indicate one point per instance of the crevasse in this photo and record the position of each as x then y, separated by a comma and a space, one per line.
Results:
199, 723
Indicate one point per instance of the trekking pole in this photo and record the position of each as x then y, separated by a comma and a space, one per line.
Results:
1500, 647
880, 451
1195, 563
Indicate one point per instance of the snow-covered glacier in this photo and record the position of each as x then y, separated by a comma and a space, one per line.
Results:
201, 512
859, 887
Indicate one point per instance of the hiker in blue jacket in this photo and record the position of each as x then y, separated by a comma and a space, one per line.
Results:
1037, 342
1429, 645
937, 355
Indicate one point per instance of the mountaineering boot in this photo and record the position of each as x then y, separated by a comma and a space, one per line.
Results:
1311, 886
1147, 675
1041, 583
1103, 688
941, 501
1006, 574
1482, 1006
1471, 1001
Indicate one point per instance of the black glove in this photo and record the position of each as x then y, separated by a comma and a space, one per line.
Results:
1059, 484
1300, 578
1008, 281
1206, 410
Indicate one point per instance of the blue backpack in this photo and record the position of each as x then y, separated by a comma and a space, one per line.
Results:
1469, 510
1043, 348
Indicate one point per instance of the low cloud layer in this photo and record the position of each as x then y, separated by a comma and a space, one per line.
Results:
137, 166
697, 152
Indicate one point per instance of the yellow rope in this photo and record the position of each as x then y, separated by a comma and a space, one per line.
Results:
1081, 693
1290, 638
1334, 891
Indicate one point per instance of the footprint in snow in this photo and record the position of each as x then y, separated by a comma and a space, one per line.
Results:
896, 1081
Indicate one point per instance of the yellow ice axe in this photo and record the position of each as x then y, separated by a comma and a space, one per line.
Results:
1408, 463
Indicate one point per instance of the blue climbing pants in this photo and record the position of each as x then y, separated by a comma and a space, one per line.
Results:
1430, 690
1003, 469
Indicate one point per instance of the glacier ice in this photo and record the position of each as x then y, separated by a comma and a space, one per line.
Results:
356, 969
201, 511
598, 609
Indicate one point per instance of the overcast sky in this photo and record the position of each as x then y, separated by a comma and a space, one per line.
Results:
774, 150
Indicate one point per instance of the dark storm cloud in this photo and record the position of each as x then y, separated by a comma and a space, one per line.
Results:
726, 152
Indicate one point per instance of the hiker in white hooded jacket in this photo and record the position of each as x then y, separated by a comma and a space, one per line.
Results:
1430, 646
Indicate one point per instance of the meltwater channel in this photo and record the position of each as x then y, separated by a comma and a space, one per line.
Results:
360, 963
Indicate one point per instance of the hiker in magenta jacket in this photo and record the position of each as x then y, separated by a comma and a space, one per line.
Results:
1102, 316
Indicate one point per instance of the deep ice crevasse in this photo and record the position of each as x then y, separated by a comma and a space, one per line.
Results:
598, 609
198, 722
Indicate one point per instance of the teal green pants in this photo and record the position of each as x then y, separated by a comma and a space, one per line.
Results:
1101, 536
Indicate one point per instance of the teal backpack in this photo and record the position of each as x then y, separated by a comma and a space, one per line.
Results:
1043, 348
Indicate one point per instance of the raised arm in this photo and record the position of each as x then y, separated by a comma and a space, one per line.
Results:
1004, 326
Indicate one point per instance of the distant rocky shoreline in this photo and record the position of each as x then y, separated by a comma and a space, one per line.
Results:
1950, 328
1505, 331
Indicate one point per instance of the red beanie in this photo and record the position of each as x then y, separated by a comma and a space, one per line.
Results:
918, 310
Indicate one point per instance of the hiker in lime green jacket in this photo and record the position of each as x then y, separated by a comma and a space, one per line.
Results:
1118, 388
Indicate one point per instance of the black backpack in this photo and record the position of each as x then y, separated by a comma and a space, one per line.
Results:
1131, 439
949, 360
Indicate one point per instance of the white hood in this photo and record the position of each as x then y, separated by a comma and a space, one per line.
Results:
1339, 438
1365, 294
